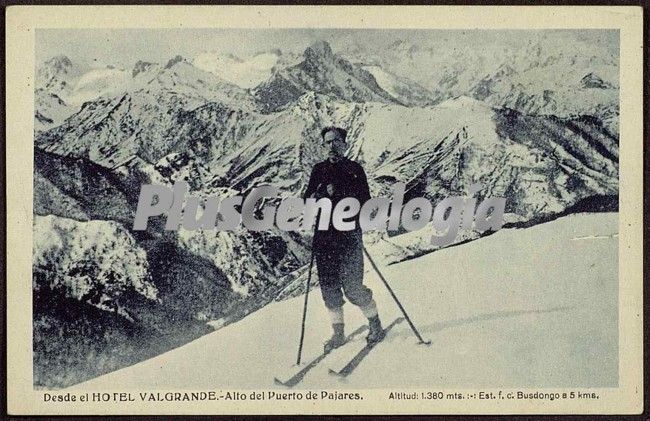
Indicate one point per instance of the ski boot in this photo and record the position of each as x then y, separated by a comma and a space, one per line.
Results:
337, 339
376, 333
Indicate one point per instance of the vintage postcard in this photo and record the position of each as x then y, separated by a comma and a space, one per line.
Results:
324, 210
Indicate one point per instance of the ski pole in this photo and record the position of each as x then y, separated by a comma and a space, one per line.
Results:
406, 316
304, 310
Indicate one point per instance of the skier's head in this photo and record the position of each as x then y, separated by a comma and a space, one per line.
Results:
334, 142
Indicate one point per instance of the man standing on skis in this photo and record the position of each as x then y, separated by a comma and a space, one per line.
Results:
339, 254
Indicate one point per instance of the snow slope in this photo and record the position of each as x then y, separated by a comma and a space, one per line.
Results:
405, 90
522, 307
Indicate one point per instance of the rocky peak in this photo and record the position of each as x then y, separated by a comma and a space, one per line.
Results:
174, 61
141, 66
590, 80
56, 74
319, 49
59, 63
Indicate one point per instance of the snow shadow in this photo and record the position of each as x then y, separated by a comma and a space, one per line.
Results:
438, 326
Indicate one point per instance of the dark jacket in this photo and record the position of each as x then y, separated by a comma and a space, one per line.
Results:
348, 180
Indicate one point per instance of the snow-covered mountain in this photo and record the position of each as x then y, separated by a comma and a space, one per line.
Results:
57, 75
547, 76
143, 118
550, 75
320, 71
55, 81
94, 261
495, 319
63, 92
103, 290
548, 144
542, 165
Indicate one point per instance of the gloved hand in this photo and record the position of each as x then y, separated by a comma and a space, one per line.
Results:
325, 190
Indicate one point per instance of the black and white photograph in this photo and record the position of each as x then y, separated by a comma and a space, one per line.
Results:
259, 213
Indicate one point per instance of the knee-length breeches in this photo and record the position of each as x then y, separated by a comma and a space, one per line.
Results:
339, 260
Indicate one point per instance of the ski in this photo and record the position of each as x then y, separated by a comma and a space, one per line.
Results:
356, 360
297, 378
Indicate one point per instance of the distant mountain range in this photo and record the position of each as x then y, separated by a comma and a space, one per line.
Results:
540, 129
544, 77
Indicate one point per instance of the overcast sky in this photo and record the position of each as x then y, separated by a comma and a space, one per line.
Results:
123, 47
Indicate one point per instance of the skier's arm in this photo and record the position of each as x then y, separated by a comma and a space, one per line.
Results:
363, 189
312, 185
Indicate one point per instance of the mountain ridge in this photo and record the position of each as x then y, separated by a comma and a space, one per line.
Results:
182, 122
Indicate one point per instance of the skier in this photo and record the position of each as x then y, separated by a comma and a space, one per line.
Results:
339, 254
